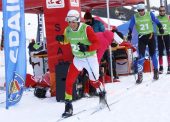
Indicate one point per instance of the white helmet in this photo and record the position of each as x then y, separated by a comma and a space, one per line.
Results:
140, 6
73, 16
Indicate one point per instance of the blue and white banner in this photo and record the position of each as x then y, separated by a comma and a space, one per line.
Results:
15, 50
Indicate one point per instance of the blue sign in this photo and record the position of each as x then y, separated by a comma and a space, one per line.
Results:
15, 49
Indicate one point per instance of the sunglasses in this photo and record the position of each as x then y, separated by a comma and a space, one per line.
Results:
71, 22
161, 10
140, 10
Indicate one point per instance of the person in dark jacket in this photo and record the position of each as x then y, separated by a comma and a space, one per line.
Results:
31, 45
95, 24
31, 48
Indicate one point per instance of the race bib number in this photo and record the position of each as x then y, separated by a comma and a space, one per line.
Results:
164, 26
144, 27
75, 47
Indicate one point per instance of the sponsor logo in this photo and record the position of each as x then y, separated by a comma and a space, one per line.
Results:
16, 88
74, 3
14, 29
140, 68
55, 4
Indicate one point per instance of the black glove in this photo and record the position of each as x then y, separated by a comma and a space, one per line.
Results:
114, 30
161, 30
83, 47
129, 37
114, 44
60, 38
89, 23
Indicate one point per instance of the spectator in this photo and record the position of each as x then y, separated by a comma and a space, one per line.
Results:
107, 55
95, 24
31, 46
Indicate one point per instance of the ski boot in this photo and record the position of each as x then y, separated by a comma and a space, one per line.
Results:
115, 74
140, 78
68, 109
102, 98
161, 70
116, 77
156, 74
168, 70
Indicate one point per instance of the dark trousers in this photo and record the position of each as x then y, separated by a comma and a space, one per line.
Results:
143, 41
164, 43
106, 57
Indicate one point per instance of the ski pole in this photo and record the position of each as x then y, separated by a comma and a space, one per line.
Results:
150, 58
133, 66
96, 80
150, 64
103, 77
111, 65
163, 42
136, 62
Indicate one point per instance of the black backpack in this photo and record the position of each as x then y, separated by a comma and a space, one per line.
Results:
40, 92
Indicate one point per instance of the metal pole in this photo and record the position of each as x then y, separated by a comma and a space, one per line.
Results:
108, 14
166, 6
162, 3
148, 5
110, 48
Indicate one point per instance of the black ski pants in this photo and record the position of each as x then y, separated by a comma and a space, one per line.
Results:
164, 43
145, 40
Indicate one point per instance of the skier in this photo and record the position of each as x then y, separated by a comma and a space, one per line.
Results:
143, 21
164, 39
84, 44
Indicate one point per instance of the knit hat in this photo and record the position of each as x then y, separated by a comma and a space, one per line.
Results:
87, 15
